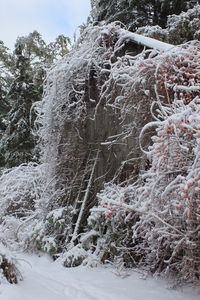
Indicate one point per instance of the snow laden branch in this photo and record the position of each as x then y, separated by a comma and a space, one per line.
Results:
143, 40
88, 100
155, 221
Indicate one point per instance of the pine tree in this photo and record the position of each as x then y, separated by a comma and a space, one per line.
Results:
135, 13
28, 65
58, 48
17, 142
5, 80
163, 8
180, 28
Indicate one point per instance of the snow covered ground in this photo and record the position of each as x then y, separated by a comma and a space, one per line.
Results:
44, 279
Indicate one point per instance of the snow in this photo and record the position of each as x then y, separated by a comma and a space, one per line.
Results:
145, 41
44, 279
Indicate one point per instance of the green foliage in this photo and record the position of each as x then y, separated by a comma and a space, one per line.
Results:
74, 257
49, 236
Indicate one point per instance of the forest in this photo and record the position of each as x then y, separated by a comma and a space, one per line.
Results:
100, 142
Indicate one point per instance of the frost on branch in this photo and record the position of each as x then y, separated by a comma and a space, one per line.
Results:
89, 122
155, 221
170, 195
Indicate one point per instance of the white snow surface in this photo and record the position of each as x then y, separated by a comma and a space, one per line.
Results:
44, 279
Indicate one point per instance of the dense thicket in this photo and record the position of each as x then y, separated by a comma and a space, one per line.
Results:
118, 138
100, 194
138, 220
154, 222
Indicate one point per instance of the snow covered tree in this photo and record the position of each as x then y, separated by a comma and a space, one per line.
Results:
57, 49
17, 143
6, 64
184, 27
131, 13
135, 14
89, 123
30, 60
180, 28
74, 109
163, 8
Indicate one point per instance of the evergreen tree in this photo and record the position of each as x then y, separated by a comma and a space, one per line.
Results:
134, 13
27, 66
17, 142
180, 28
58, 48
5, 80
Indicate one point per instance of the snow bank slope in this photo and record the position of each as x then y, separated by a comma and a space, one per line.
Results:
44, 279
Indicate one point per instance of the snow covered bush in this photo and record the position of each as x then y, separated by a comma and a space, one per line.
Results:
170, 192
50, 236
156, 219
21, 189
169, 198
97, 100
109, 235
73, 257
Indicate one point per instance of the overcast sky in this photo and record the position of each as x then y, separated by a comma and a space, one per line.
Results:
49, 17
